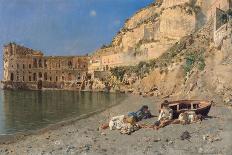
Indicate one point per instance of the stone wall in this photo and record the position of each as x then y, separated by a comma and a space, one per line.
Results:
24, 65
112, 60
222, 33
94, 64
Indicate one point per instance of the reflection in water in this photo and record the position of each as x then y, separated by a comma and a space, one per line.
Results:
28, 110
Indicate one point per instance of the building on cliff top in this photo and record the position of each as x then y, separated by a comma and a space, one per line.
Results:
218, 12
25, 68
218, 4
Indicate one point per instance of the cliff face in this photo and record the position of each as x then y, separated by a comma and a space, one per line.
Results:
156, 28
192, 58
177, 22
208, 68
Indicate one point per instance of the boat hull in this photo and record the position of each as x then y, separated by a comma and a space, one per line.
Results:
203, 110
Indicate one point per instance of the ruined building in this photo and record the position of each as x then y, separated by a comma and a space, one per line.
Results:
25, 68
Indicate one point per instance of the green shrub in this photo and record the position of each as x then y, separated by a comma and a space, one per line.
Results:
229, 12
194, 59
118, 72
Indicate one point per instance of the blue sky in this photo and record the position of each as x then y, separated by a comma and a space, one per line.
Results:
64, 27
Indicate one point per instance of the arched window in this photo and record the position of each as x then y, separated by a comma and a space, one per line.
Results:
40, 75
56, 78
34, 63
69, 77
45, 76
45, 63
12, 76
29, 78
34, 77
78, 76
70, 64
40, 63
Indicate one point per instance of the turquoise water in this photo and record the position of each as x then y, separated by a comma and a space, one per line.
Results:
21, 111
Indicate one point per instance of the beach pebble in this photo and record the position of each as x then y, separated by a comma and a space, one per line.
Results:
157, 140
200, 150
70, 148
29, 147
104, 150
185, 135
205, 137
87, 147
48, 137
211, 138
170, 142
103, 134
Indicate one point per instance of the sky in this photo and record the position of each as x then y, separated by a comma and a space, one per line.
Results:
64, 27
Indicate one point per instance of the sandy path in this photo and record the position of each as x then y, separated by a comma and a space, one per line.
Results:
82, 137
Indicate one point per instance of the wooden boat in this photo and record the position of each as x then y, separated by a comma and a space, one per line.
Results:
199, 106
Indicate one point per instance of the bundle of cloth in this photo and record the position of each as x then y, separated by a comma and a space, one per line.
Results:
127, 124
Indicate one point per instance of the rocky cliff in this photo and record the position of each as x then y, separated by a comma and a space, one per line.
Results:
190, 59
157, 27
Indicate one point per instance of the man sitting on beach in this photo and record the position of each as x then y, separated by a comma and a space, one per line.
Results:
165, 116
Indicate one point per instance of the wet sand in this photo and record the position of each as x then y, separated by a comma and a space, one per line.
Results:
211, 136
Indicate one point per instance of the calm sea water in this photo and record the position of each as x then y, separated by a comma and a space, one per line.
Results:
21, 111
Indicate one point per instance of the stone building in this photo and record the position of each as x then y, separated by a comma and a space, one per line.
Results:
222, 27
218, 4
26, 68
111, 60
222, 21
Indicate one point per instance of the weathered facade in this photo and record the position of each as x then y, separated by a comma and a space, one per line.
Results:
222, 20
25, 68
222, 27
218, 4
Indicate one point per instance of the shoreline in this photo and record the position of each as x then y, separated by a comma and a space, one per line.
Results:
83, 137
18, 136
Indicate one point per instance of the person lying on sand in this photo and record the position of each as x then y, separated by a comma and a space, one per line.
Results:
142, 113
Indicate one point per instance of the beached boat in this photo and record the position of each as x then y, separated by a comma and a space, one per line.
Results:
199, 106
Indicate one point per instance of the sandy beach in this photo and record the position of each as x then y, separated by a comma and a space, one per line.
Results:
212, 136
